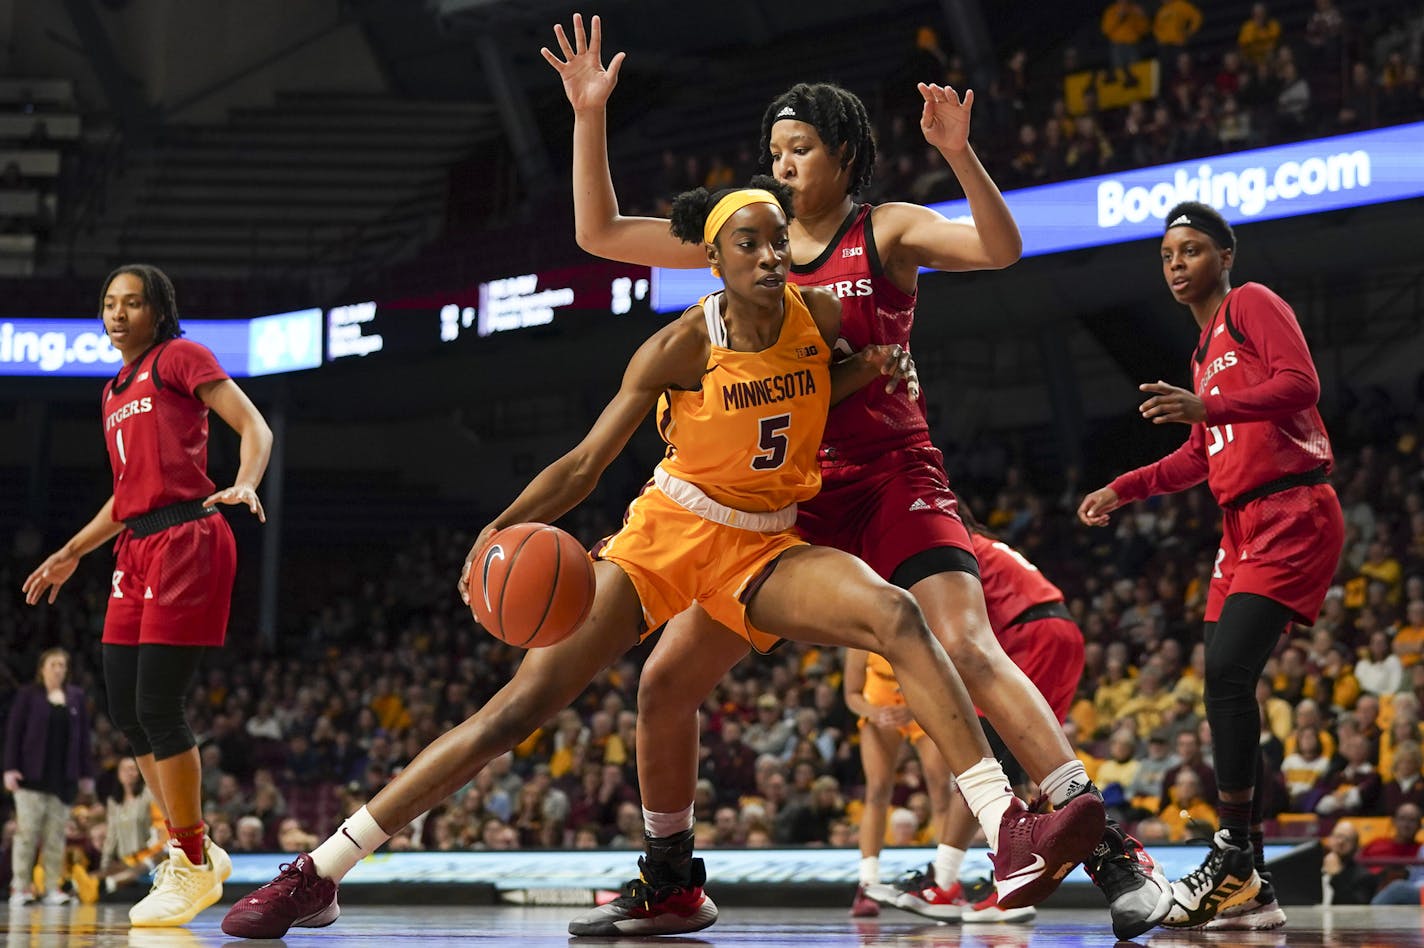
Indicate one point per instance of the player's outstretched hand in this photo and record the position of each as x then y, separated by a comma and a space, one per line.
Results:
53, 573
1095, 508
239, 495
586, 82
1171, 404
945, 119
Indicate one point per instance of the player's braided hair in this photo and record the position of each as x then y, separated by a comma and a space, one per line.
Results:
158, 291
690, 208
838, 116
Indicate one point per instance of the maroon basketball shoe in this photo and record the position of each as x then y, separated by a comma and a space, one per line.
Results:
1036, 850
298, 897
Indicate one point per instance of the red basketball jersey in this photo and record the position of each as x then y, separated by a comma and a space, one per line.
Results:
1011, 583
156, 428
873, 312
1253, 370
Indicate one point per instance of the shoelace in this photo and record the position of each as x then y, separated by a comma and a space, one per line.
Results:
914, 880
1199, 880
289, 880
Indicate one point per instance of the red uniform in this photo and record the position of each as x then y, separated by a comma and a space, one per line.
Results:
1049, 650
1253, 370
884, 492
173, 587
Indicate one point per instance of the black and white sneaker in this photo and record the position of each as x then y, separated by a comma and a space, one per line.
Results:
1138, 893
1261, 913
645, 908
1224, 880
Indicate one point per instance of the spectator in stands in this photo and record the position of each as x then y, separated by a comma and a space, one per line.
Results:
1353, 784
135, 835
248, 837
1343, 881
1409, 639
1186, 807
1402, 844
1189, 757
1173, 26
1276, 716
1304, 768
1379, 671
809, 821
771, 732
1124, 24
1405, 786
1259, 36
1380, 565
1149, 701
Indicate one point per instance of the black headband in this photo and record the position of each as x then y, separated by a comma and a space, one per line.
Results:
1210, 226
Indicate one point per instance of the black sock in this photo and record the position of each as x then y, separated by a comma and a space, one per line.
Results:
1258, 848
1236, 820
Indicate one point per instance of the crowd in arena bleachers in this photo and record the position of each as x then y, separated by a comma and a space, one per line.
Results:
293, 742
1247, 86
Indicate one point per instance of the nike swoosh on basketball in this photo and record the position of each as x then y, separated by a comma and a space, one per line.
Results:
496, 553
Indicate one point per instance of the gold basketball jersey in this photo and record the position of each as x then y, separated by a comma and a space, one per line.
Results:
749, 436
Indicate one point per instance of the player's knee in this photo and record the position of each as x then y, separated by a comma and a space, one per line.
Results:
878, 794
165, 725
898, 622
971, 645
662, 695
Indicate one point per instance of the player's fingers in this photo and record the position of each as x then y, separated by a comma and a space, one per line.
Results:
595, 33
968, 101
615, 64
564, 46
553, 60
580, 37
1158, 387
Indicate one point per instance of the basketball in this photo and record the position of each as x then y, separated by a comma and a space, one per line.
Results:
531, 585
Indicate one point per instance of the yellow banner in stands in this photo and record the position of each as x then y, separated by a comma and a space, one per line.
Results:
1112, 92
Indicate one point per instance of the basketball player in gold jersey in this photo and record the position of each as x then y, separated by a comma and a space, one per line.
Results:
742, 383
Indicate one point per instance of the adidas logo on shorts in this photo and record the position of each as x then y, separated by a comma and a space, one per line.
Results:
919, 504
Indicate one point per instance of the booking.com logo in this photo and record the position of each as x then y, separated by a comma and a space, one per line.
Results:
51, 350
1248, 190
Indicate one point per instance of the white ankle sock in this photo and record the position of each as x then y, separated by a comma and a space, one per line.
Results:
1066, 781
869, 870
987, 792
946, 865
659, 825
357, 838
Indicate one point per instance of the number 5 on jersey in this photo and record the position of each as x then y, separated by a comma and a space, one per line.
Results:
773, 442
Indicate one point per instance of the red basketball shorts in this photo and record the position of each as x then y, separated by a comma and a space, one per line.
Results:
887, 510
173, 587
1050, 652
1284, 546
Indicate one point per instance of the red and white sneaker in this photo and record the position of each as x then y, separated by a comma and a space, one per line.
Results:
931, 901
863, 906
989, 910
1036, 850
644, 908
298, 897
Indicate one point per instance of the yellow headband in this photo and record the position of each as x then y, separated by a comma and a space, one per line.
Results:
730, 205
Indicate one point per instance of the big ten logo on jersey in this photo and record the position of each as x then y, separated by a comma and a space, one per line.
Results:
136, 407
852, 252
845, 288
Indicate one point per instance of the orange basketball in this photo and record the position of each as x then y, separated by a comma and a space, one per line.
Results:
531, 585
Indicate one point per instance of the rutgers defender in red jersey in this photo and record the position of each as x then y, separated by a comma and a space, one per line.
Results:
1258, 441
1037, 632
175, 560
885, 496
